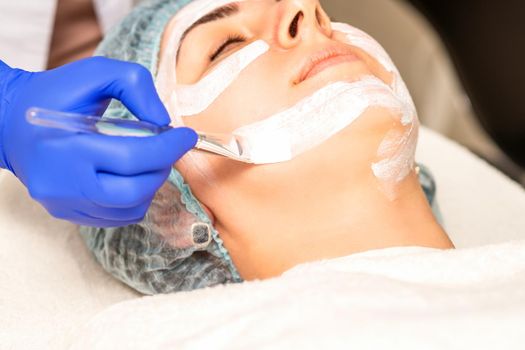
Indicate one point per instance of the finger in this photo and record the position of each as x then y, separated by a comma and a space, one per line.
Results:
114, 191
133, 85
96, 79
133, 214
136, 155
80, 218
86, 220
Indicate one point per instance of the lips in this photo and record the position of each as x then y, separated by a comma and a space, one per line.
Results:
324, 59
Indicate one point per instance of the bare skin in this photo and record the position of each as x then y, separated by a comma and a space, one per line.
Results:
323, 204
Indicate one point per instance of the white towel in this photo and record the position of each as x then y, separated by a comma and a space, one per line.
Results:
398, 298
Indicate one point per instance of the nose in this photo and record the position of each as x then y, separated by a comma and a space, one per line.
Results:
300, 20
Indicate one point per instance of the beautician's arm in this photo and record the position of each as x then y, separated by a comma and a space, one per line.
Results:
93, 180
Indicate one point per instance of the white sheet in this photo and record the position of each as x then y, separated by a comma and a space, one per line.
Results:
402, 298
51, 286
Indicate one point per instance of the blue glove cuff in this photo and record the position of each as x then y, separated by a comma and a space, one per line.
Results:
4, 75
9, 79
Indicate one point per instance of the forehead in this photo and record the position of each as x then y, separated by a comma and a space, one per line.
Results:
187, 16
195, 10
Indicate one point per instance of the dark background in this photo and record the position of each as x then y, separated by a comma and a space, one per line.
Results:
486, 40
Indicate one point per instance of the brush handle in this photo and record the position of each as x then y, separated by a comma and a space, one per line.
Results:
92, 124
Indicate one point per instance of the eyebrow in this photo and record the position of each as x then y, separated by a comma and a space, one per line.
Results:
215, 15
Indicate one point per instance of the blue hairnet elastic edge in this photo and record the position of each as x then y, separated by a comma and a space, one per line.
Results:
194, 207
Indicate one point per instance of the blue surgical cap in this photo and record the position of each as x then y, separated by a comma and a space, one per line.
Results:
148, 256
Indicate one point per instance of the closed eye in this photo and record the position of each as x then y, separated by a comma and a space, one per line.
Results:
231, 40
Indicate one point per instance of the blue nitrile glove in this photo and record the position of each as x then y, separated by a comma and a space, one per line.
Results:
94, 180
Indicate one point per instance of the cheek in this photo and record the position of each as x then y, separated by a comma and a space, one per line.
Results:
375, 67
372, 64
241, 194
257, 93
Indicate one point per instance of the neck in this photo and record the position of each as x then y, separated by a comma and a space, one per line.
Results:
378, 221
357, 221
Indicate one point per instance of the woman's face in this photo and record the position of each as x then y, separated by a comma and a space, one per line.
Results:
256, 209
297, 32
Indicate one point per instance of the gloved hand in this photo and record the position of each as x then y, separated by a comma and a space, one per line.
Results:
94, 180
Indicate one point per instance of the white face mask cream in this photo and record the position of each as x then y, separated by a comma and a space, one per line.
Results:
185, 100
397, 151
321, 115
181, 100
311, 121
213, 84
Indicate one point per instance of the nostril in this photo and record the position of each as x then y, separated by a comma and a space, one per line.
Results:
323, 21
294, 26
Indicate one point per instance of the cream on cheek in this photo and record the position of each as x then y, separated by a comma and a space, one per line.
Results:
313, 120
318, 117
186, 100
212, 85
397, 150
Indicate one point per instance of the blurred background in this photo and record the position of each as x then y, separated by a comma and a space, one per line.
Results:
463, 62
